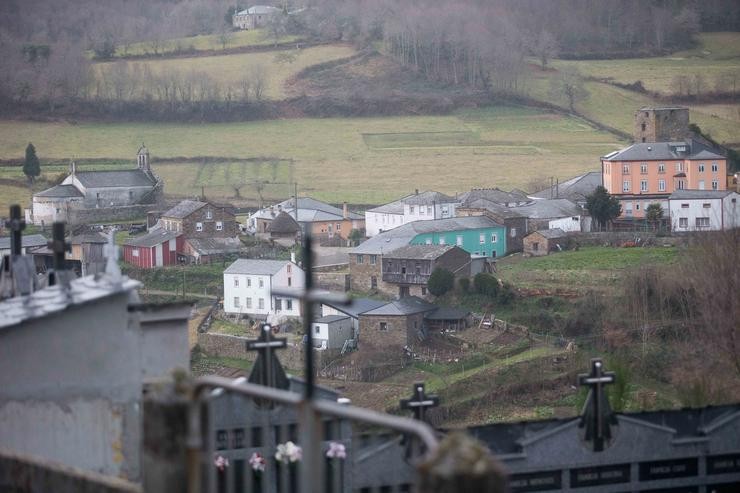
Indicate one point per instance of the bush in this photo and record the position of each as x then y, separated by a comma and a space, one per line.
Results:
486, 284
506, 294
464, 284
440, 281
586, 317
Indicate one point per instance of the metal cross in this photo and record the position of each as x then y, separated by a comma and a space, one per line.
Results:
597, 415
420, 402
59, 247
265, 344
16, 226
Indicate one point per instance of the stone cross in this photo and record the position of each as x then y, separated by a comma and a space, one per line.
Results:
264, 345
110, 250
597, 415
58, 246
419, 402
16, 225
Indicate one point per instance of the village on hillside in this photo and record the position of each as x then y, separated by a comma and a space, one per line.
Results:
370, 246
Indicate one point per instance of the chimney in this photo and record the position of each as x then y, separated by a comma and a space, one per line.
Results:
345, 212
202, 193
72, 167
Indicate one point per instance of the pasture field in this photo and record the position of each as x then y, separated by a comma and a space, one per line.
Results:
330, 158
205, 42
231, 70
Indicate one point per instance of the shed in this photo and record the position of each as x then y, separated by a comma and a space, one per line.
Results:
332, 332
283, 226
544, 241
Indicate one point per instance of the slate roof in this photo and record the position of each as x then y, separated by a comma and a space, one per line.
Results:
256, 267
309, 210
88, 237
358, 306
647, 151
575, 189
184, 209
551, 234
447, 313
214, 246
404, 306
60, 191
155, 236
27, 241
390, 240
259, 10
495, 208
427, 197
494, 195
549, 208
283, 224
115, 178
331, 318
699, 194
426, 252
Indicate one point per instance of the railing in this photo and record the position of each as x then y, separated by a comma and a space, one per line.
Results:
232, 421
408, 278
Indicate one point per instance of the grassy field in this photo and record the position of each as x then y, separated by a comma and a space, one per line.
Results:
331, 158
230, 70
208, 42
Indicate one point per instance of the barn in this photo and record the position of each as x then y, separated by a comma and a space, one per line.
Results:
157, 248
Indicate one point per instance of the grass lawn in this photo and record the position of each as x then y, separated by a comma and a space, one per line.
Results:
207, 42
229, 70
330, 157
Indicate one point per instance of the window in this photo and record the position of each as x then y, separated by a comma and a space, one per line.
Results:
289, 268
494, 238
249, 302
360, 259
715, 167
661, 185
493, 253
679, 166
701, 185
702, 222
429, 209
701, 167
445, 210
411, 209
642, 126
459, 240
482, 238
135, 252
373, 282
428, 241
715, 184
442, 240
199, 226
317, 330
637, 206
643, 168
236, 282
681, 184
288, 304
707, 206
261, 304
261, 282
373, 259
249, 282
684, 206
209, 214
422, 210
423, 291
278, 304
661, 167
219, 226
290, 281
339, 226
625, 169
626, 186
383, 326
535, 246
236, 301
643, 185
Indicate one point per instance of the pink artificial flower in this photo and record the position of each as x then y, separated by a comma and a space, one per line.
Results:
336, 451
221, 463
257, 462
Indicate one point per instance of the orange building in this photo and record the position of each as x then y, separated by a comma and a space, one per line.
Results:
646, 173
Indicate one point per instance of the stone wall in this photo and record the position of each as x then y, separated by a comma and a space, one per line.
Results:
400, 331
227, 346
615, 238
361, 276
108, 214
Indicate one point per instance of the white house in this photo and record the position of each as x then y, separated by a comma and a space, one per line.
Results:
415, 207
704, 210
254, 17
248, 286
332, 331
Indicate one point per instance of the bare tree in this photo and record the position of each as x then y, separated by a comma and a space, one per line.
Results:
545, 47
568, 85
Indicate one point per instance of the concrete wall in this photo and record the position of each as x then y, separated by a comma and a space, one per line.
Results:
375, 222
722, 213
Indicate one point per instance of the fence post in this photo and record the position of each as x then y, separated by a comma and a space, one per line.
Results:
462, 464
164, 433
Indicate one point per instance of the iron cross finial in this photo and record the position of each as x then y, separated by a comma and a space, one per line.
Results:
597, 416
420, 401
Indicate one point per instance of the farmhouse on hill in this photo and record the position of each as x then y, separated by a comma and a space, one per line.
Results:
254, 17
248, 285
544, 241
102, 195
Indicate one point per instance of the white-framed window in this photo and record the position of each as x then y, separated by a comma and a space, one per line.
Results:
261, 282
643, 168
411, 209
209, 214
707, 206
219, 226
679, 166
199, 226
278, 304
661, 185
683, 222
236, 282
360, 258
317, 329
702, 222
684, 206
701, 185
373, 259
249, 302
422, 210
482, 238
512, 232
261, 303
236, 301
288, 269
339, 226
459, 240
625, 169
626, 186
494, 238
288, 304
428, 241
429, 209
701, 167
643, 185
715, 184
715, 167
661, 167
249, 282
135, 252
681, 184
442, 240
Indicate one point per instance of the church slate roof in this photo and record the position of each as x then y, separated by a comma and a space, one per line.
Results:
184, 209
115, 178
61, 191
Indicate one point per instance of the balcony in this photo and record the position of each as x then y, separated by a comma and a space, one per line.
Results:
408, 278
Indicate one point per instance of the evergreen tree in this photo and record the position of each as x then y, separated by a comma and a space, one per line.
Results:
440, 281
602, 206
654, 213
31, 167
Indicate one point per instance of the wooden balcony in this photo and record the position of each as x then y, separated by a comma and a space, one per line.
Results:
408, 278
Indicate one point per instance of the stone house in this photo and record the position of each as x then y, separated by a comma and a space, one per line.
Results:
544, 241
106, 194
357, 307
406, 270
254, 17
396, 324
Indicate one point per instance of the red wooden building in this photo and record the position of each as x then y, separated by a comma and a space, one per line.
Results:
157, 248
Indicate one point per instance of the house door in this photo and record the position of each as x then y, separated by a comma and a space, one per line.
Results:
159, 261
403, 291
